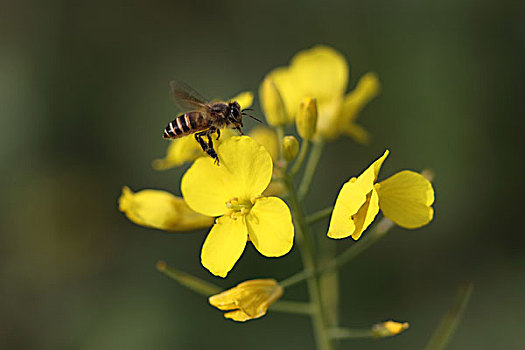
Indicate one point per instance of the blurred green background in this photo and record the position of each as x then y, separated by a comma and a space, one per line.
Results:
84, 99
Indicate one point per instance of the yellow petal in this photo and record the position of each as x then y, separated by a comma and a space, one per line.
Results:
272, 103
358, 133
320, 72
245, 99
179, 151
249, 299
406, 199
224, 245
275, 188
238, 315
186, 150
270, 226
160, 210
268, 138
244, 172
366, 89
369, 176
351, 199
366, 214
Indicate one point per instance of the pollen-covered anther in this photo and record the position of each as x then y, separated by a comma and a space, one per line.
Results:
236, 206
231, 201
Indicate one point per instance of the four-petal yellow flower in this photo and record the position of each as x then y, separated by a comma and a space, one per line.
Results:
322, 73
232, 191
405, 198
248, 300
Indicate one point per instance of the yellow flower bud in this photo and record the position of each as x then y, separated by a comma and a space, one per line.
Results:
306, 121
248, 300
389, 328
272, 103
290, 148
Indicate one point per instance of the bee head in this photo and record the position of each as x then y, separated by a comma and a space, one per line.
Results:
235, 113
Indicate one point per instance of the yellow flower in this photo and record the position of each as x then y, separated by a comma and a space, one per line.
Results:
248, 300
389, 328
232, 191
160, 210
322, 73
405, 198
186, 149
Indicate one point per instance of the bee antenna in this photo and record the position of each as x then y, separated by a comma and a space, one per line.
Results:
247, 109
251, 116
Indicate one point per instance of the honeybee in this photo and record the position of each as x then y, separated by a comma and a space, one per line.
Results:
203, 118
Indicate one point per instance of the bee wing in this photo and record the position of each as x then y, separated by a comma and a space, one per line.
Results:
186, 98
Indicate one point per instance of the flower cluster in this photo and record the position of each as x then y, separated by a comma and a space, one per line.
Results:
252, 198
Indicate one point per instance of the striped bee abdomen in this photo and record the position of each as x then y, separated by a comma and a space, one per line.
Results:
186, 124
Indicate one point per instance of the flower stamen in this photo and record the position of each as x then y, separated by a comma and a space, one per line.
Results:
236, 206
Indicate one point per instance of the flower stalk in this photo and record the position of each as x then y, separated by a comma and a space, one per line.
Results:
322, 339
311, 166
379, 231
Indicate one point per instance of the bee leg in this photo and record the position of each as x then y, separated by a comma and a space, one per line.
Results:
211, 152
202, 143
239, 130
218, 134
207, 147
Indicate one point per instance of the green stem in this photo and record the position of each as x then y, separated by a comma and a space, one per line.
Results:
322, 339
311, 166
294, 279
189, 281
319, 215
305, 145
379, 231
293, 307
450, 322
346, 333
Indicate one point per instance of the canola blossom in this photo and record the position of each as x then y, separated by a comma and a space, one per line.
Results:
405, 198
321, 73
232, 192
248, 300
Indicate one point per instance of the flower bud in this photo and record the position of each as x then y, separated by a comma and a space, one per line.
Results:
248, 300
272, 103
389, 328
306, 121
290, 148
